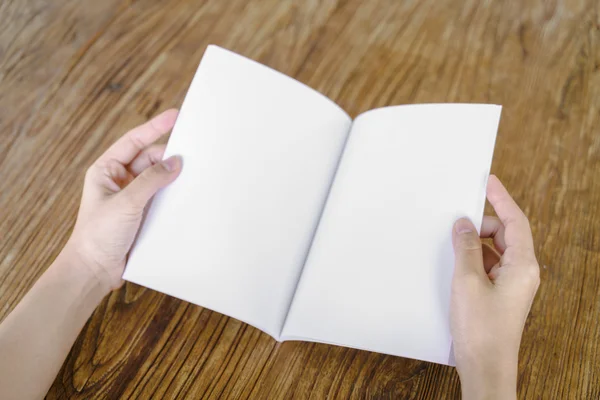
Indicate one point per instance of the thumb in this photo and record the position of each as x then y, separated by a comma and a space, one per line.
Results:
156, 177
468, 254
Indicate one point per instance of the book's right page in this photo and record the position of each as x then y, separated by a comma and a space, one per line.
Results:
379, 271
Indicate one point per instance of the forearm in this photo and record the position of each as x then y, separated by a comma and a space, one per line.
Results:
39, 333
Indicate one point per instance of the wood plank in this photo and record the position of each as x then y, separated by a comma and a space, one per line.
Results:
75, 75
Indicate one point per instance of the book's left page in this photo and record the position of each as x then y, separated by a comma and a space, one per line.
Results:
232, 232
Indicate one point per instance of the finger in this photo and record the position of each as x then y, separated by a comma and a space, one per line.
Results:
516, 226
494, 273
147, 158
468, 258
492, 227
490, 257
106, 178
140, 191
129, 145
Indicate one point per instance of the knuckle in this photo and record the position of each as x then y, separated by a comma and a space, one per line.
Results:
469, 242
101, 168
522, 257
150, 173
160, 167
532, 274
145, 176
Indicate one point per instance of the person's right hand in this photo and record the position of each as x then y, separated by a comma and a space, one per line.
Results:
492, 292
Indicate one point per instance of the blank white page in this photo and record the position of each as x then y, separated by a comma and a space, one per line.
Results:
379, 271
232, 232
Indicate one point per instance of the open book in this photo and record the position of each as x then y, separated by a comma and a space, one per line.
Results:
309, 226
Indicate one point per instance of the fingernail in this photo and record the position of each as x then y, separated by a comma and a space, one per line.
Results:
171, 163
463, 225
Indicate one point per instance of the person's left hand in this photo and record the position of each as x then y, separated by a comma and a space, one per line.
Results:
117, 188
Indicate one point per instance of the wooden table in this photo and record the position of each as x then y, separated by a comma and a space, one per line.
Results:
74, 75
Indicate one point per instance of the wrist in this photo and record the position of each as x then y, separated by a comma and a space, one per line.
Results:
72, 265
496, 380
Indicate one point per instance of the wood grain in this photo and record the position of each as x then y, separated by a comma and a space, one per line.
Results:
74, 75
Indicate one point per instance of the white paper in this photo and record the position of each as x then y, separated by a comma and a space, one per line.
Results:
379, 271
232, 232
